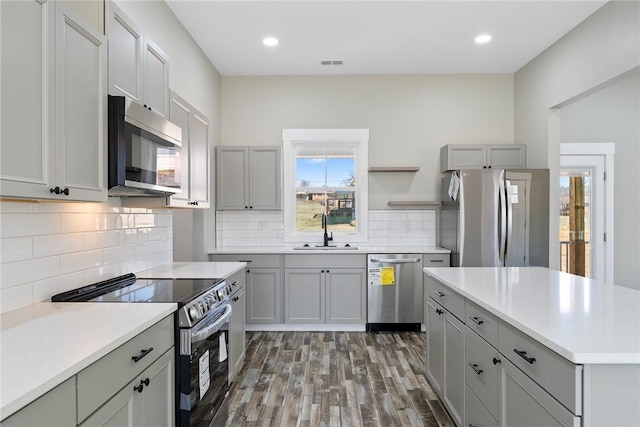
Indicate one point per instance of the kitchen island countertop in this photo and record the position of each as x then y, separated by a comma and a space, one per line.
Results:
585, 321
44, 344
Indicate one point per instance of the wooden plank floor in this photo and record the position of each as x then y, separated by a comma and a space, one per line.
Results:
334, 379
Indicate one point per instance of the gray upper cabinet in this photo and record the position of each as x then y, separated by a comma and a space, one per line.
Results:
194, 155
480, 156
54, 85
249, 178
138, 68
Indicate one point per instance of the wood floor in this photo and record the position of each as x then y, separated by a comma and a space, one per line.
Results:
334, 379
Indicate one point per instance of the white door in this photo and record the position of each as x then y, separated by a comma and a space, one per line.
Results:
518, 246
590, 170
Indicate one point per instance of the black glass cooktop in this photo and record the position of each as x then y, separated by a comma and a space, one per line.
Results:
128, 288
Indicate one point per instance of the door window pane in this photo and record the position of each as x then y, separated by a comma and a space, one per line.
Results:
575, 221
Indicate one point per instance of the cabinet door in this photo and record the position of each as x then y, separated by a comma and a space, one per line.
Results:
505, 156
454, 367
523, 403
264, 295
157, 403
237, 327
265, 185
304, 296
56, 408
463, 156
232, 168
179, 114
346, 296
155, 78
435, 345
27, 86
200, 154
81, 107
125, 54
475, 414
119, 411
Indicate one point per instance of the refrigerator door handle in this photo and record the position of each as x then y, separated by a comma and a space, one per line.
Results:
503, 222
508, 242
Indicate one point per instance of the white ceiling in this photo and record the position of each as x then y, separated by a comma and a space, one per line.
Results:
376, 37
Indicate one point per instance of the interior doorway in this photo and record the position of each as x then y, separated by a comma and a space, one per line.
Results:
586, 210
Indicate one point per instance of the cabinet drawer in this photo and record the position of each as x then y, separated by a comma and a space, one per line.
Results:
475, 414
435, 260
98, 382
481, 370
482, 322
446, 297
561, 378
325, 261
252, 260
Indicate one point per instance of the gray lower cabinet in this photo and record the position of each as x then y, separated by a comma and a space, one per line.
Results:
524, 403
56, 408
475, 413
264, 294
237, 323
304, 295
445, 357
346, 295
148, 400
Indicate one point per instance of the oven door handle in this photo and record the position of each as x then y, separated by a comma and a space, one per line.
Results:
212, 328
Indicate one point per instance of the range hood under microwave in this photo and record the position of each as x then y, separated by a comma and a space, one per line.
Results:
144, 151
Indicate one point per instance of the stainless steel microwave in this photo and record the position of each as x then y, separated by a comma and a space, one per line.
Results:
144, 151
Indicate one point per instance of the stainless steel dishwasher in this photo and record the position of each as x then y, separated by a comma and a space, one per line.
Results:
394, 292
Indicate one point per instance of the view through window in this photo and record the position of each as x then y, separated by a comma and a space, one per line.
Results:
575, 221
325, 181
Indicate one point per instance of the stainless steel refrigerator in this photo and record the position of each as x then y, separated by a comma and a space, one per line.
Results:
496, 217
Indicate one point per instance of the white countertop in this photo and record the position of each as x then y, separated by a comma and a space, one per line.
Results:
192, 270
583, 320
361, 249
44, 344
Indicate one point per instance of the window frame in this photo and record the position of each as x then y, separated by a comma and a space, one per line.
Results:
356, 137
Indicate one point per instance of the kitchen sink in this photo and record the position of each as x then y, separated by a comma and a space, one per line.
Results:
309, 247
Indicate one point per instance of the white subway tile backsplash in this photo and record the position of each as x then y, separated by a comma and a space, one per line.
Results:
33, 224
47, 248
80, 261
397, 228
16, 249
43, 290
56, 244
17, 273
16, 297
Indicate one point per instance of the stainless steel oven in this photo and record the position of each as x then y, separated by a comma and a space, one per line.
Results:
201, 336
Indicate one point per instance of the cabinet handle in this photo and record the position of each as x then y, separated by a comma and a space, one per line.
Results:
138, 388
523, 354
440, 294
65, 191
246, 207
59, 190
474, 366
476, 320
145, 382
244, 260
496, 361
142, 354
472, 425
328, 271
250, 207
437, 260
489, 167
321, 271
248, 271
439, 311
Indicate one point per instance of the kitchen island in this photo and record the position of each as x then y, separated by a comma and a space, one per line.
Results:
535, 345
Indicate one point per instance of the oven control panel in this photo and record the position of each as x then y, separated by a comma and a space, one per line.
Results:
198, 308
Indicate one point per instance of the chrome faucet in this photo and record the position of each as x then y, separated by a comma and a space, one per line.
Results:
327, 238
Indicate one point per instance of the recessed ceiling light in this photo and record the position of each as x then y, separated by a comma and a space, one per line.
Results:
270, 41
483, 38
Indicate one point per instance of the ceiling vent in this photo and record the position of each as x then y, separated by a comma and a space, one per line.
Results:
330, 63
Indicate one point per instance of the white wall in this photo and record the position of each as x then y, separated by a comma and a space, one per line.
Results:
192, 76
591, 56
613, 115
409, 118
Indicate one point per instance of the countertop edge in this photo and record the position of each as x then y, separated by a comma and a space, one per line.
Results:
360, 251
